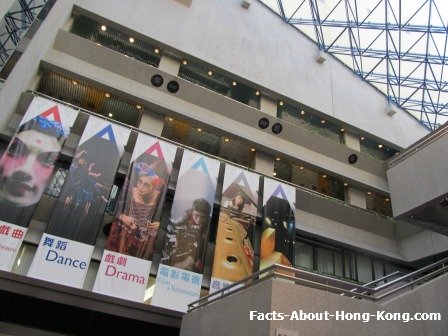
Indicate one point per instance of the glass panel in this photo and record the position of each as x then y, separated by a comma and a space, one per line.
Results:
364, 266
24, 259
91, 275
304, 255
338, 264
325, 261
378, 269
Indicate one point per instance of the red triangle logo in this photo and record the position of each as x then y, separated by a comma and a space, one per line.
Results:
155, 148
52, 111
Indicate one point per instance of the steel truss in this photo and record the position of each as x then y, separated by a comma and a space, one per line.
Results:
400, 47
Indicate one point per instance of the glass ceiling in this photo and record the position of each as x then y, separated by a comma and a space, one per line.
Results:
400, 47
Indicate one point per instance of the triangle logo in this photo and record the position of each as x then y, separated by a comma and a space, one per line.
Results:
200, 164
279, 191
157, 149
242, 181
107, 133
52, 114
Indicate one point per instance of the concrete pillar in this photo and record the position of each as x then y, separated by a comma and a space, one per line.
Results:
264, 163
356, 197
5, 5
268, 105
152, 123
352, 141
169, 64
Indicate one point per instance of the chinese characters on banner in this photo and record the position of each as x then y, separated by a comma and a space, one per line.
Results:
277, 239
234, 251
187, 231
81, 204
134, 230
25, 168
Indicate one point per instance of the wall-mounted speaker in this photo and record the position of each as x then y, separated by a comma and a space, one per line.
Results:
277, 128
173, 86
353, 158
157, 80
263, 123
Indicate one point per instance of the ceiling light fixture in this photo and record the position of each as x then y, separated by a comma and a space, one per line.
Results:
302, 112
252, 149
138, 107
111, 115
234, 83
131, 40
184, 62
103, 28
210, 73
280, 103
277, 159
170, 118
380, 146
156, 50
199, 129
257, 93
107, 95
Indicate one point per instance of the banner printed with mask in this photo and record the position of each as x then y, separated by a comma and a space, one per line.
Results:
65, 249
126, 261
179, 277
25, 168
277, 239
234, 252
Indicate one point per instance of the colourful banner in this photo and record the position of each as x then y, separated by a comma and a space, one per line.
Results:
122, 276
187, 232
234, 253
134, 230
26, 166
61, 261
176, 288
81, 204
277, 240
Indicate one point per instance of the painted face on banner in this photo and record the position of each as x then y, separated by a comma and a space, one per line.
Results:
26, 167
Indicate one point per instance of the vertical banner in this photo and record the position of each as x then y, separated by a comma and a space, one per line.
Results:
25, 168
126, 261
234, 252
81, 204
184, 250
277, 240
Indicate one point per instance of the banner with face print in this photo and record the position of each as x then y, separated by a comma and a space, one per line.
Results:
81, 204
234, 253
187, 231
277, 240
134, 230
25, 168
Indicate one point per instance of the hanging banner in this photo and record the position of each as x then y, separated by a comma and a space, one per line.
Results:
277, 240
25, 168
187, 231
134, 230
234, 252
176, 288
61, 261
81, 204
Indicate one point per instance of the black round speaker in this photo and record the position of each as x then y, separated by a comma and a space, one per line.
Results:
157, 80
263, 123
173, 86
352, 158
277, 128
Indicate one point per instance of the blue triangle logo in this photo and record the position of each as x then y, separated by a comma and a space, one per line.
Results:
241, 180
280, 191
107, 133
200, 164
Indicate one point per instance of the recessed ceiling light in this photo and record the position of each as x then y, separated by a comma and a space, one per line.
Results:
234, 83
302, 112
138, 106
210, 73
322, 121
156, 50
111, 115
184, 62
107, 95
301, 167
131, 40
274, 173
342, 130
362, 138
199, 129
277, 159
252, 149
280, 103
369, 193
226, 139
387, 199
257, 93
324, 176
380, 146
103, 28
75, 82
170, 118
345, 184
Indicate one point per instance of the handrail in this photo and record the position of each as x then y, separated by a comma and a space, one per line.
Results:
323, 282
412, 274
383, 278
